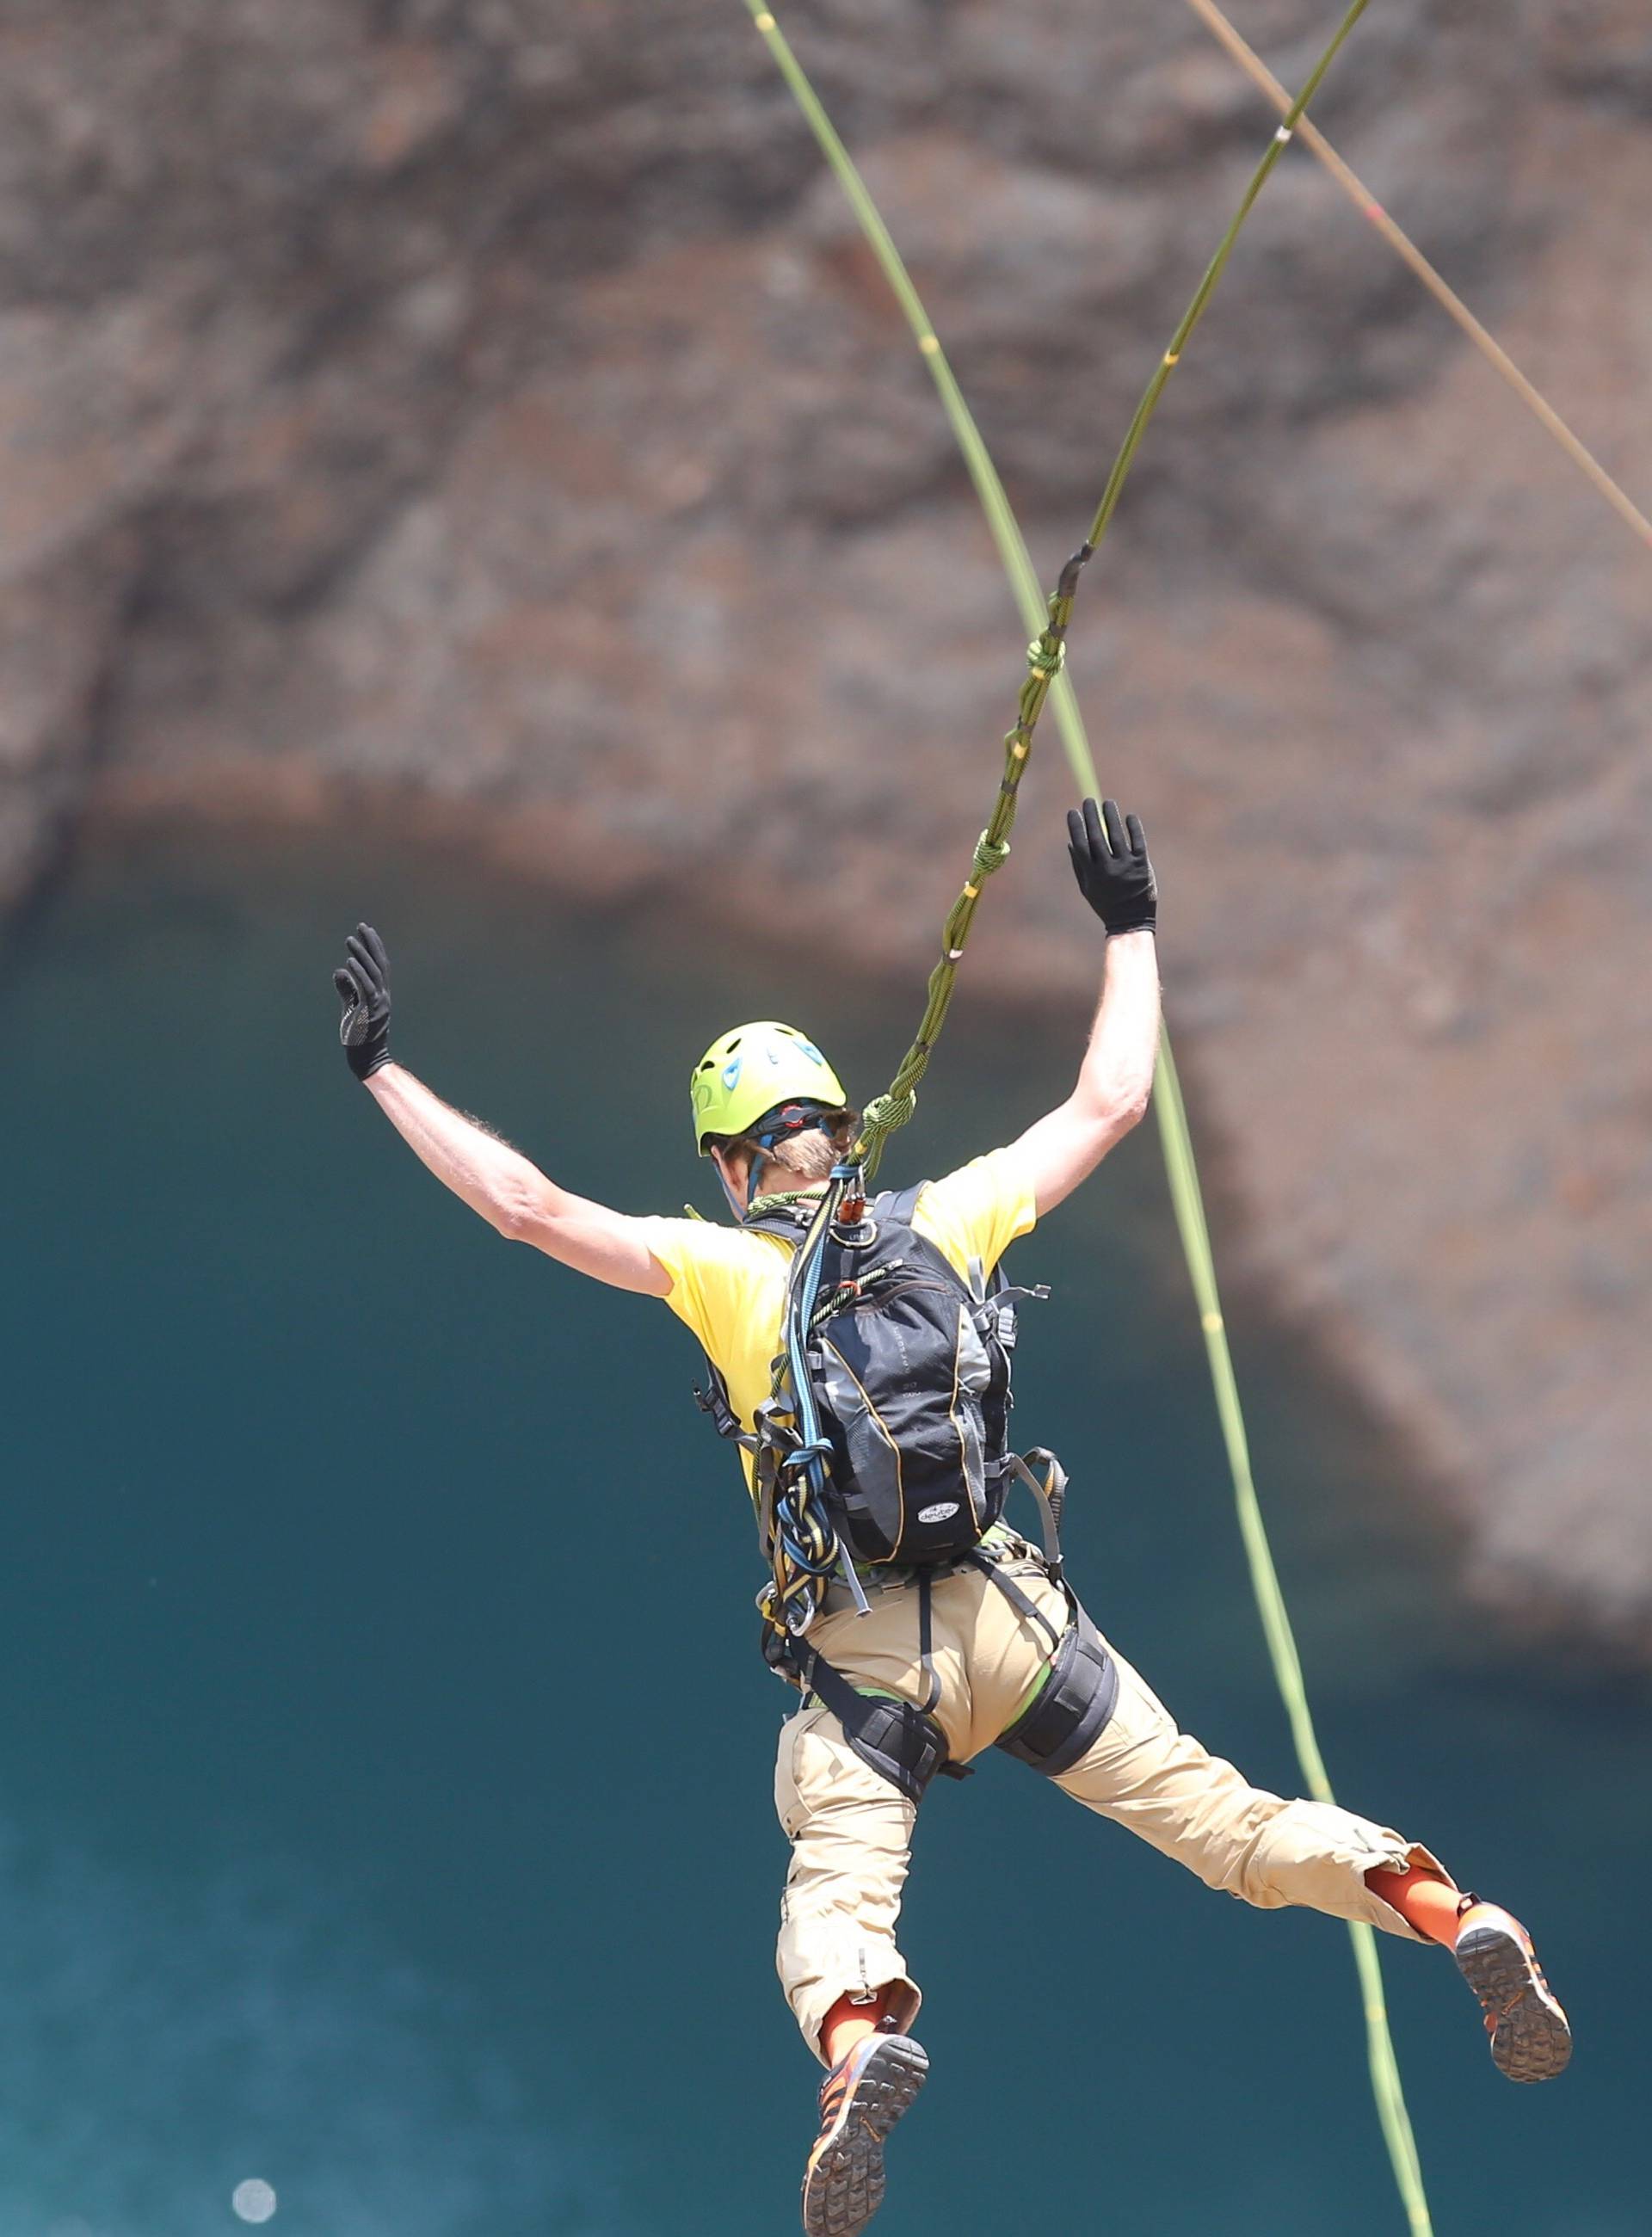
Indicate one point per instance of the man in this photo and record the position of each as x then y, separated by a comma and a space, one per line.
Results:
970, 1646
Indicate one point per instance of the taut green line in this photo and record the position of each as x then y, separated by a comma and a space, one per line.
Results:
1175, 1137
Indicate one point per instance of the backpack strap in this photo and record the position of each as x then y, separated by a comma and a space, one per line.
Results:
1050, 1493
788, 1221
714, 1399
899, 1204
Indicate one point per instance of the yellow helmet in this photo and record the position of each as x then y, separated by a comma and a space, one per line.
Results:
747, 1071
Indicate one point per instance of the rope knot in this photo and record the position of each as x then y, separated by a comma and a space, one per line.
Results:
885, 1112
989, 854
1046, 661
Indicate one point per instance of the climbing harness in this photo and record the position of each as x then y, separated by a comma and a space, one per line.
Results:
1073, 1705
896, 1739
1171, 1113
902, 1741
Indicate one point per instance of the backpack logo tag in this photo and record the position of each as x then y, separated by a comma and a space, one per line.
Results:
942, 1511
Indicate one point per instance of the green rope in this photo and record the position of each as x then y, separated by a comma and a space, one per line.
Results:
779, 1200
1174, 1136
1044, 658
1188, 1200
1047, 653
1000, 518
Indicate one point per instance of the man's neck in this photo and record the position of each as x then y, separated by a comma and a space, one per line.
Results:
777, 1179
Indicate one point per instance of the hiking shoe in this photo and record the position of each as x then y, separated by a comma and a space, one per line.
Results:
861, 2100
1530, 2038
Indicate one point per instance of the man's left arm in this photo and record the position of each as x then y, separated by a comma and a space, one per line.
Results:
1115, 1080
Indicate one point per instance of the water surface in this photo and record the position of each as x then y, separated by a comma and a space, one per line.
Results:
386, 1779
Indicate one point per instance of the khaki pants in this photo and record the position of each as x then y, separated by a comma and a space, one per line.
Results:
851, 1831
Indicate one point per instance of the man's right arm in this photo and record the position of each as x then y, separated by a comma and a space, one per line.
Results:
510, 1191
506, 1188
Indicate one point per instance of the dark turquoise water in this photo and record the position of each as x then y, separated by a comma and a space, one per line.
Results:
385, 1784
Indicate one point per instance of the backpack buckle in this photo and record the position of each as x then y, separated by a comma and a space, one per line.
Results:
855, 1235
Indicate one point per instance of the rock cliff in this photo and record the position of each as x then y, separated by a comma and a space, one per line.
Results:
484, 410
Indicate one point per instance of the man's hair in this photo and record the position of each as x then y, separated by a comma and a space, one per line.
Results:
810, 1154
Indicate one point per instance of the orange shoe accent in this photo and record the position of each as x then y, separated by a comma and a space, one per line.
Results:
848, 2023
1428, 1904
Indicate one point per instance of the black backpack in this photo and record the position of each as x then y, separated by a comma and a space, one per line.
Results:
908, 1365
908, 1368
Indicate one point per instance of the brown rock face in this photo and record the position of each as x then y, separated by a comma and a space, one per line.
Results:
492, 405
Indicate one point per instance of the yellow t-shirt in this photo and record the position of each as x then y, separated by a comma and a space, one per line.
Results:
729, 1284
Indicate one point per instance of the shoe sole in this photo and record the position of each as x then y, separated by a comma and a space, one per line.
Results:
844, 2188
1531, 2040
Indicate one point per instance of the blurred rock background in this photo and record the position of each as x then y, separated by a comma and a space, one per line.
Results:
483, 412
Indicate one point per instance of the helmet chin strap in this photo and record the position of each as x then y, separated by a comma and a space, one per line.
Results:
729, 1196
759, 1159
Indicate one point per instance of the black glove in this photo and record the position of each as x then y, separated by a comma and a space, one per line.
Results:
1112, 868
363, 984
